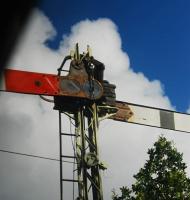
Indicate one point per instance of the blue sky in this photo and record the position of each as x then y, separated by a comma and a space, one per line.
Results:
155, 35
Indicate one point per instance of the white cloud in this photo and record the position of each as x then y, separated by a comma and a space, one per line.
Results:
188, 110
103, 37
32, 52
32, 125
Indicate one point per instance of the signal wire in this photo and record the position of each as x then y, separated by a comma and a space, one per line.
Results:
46, 99
33, 156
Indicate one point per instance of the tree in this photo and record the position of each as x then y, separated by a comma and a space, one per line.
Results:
163, 176
125, 194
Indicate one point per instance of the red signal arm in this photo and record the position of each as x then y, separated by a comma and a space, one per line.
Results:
29, 82
45, 84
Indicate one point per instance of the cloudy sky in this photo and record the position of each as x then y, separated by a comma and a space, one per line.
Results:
144, 47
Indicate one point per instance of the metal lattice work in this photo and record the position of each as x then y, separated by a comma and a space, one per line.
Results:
85, 114
88, 165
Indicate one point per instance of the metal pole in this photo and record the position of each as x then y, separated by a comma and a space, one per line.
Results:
93, 147
87, 174
80, 154
60, 157
83, 151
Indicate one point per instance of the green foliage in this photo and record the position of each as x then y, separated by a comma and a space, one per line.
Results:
125, 194
163, 176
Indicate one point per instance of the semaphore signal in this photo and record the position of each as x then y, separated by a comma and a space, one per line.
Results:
84, 96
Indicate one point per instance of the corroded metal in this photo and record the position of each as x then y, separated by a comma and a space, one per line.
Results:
124, 113
77, 86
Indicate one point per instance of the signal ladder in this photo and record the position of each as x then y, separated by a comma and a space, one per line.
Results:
66, 158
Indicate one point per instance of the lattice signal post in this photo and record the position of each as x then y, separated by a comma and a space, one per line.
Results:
85, 113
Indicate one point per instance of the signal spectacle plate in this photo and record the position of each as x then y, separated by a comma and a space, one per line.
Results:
71, 86
93, 89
